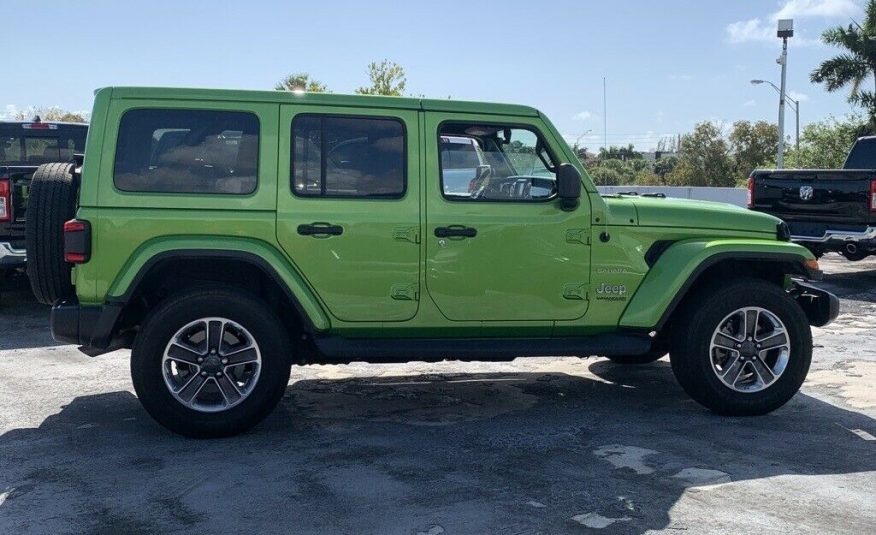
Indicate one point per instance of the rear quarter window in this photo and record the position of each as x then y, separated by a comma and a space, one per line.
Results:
187, 151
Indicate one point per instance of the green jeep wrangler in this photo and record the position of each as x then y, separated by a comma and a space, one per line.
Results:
224, 236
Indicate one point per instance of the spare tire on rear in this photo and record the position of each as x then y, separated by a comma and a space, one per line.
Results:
51, 202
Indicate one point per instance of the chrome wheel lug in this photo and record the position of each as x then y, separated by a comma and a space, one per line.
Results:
203, 374
224, 361
218, 374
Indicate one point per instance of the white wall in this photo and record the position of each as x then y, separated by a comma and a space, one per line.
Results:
735, 196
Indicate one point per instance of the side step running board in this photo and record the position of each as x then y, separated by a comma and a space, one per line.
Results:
336, 348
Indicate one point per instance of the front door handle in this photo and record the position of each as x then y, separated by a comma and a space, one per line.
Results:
320, 229
455, 231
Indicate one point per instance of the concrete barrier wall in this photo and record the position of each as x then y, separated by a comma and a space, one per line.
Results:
737, 196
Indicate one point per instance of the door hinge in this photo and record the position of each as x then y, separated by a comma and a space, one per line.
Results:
575, 291
578, 235
411, 234
404, 292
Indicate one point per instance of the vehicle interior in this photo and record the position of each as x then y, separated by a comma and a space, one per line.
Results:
517, 164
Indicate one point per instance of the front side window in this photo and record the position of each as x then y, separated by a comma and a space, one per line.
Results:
336, 156
187, 151
494, 163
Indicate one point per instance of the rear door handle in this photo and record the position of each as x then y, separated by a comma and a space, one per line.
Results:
455, 231
320, 229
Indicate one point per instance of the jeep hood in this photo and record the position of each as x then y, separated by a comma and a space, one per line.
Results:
685, 213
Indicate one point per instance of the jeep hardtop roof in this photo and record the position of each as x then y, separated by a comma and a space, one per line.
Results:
330, 99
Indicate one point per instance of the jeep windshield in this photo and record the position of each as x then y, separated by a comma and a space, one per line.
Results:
35, 143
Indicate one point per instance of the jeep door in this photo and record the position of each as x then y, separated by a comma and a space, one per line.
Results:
506, 251
348, 210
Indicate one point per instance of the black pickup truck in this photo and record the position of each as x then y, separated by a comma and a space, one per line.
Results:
827, 210
24, 145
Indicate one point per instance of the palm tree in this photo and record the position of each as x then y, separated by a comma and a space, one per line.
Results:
853, 67
301, 81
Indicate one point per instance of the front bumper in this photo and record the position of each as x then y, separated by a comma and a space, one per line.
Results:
10, 256
821, 307
86, 325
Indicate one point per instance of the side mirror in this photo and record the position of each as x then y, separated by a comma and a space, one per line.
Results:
568, 186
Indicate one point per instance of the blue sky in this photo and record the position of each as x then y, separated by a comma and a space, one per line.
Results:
668, 64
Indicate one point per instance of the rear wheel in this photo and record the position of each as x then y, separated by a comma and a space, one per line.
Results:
748, 348
211, 363
51, 202
858, 255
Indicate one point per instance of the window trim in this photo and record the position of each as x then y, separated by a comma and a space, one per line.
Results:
521, 126
322, 160
252, 193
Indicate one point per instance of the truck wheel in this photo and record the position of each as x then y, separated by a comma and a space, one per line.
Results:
51, 202
857, 256
211, 363
658, 350
748, 348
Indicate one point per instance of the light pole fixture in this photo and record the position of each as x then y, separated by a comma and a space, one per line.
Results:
785, 32
796, 105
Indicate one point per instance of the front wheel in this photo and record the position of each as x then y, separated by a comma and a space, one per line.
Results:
210, 363
748, 349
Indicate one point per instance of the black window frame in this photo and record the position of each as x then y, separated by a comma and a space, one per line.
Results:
251, 193
520, 126
322, 159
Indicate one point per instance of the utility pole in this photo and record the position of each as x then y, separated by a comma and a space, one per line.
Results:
604, 113
785, 30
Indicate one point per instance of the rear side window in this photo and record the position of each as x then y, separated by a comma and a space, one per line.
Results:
187, 151
336, 156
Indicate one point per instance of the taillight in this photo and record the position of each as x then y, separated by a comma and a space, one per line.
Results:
5, 199
750, 196
873, 195
77, 241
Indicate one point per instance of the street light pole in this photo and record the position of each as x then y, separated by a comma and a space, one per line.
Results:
785, 30
795, 103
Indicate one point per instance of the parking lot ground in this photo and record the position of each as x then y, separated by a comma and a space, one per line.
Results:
542, 445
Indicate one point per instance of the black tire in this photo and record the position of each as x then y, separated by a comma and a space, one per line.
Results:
659, 349
857, 256
174, 313
51, 202
704, 312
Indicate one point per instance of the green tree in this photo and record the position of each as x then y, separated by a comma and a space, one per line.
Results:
619, 153
753, 146
387, 78
51, 113
664, 166
603, 176
301, 81
705, 159
824, 145
855, 65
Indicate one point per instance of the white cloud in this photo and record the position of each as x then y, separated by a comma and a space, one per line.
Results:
749, 103
799, 97
582, 116
763, 29
798, 9
745, 31
682, 77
